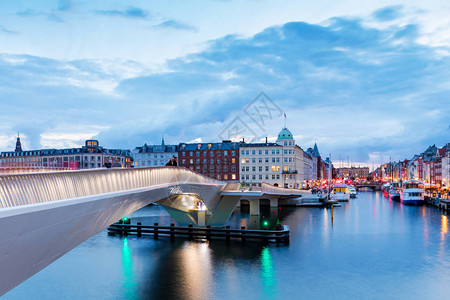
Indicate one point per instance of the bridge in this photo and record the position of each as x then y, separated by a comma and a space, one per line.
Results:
370, 185
45, 215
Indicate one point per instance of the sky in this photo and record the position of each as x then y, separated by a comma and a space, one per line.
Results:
367, 81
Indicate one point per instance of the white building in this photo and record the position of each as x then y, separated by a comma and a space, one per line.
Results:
153, 155
446, 169
281, 163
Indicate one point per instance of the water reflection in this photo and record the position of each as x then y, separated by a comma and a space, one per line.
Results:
267, 272
129, 284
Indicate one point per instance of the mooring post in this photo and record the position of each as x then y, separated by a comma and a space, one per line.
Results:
155, 235
208, 233
190, 232
331, 213
227, 233
243, 234
172, 234
138, 229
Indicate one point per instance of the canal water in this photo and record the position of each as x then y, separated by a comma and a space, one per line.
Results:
374, 249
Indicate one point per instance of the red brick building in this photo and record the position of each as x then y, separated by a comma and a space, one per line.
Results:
216, 160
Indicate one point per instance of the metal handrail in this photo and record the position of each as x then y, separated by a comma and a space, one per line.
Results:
32, 188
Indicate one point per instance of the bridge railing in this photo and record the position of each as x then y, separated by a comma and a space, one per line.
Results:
33, 188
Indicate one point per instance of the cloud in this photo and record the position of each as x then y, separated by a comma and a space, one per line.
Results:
64, 5
389, 13
130, 12
8, 31
173, 24
355, 89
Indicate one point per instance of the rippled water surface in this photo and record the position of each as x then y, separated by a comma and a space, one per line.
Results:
374, 249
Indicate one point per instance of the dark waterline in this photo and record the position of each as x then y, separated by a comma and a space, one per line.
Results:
375, 249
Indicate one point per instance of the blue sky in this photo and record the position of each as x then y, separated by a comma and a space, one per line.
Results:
365, 82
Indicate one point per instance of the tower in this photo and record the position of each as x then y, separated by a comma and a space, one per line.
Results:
18, 144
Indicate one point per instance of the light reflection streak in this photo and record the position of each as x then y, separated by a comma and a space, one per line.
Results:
197, 269
267, 273
444, 230
129, 284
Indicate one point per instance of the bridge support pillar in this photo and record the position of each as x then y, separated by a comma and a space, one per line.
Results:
254, 207
273, 202
201, 218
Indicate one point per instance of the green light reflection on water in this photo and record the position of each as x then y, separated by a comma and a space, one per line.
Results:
129, 284
267, 272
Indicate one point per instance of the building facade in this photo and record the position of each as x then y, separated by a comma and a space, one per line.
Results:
89, 156
281, 163
153, 155
353, 172
216, 160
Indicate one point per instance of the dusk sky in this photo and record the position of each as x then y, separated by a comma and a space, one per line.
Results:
365, 80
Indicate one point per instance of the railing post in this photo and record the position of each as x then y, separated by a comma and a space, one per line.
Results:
155, 232
208, 233
243, 235
172, 234
190, 232
138, 229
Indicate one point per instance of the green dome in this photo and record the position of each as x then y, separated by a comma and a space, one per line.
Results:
285, 134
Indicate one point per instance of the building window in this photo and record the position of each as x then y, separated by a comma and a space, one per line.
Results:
267, 168
198, 160
242, 152
260, 152
233, 153
191, 161
225, 176
266, 152
253, 152
225, 153
183, 161
212, 161
260, 169
197, 153
218, 152
253, 160
253, 169
233, 176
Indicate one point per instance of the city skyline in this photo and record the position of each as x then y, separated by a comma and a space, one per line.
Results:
365, 83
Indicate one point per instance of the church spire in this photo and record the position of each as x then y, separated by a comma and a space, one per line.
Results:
18, 144
162, 141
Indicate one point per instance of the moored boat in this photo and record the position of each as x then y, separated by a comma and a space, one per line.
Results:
412, 193
394, 191
340, 192
352, 191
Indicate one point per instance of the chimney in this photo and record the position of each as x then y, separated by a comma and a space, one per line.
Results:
266, 140
243, 140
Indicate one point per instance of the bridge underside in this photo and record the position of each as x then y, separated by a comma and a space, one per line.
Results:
33, 236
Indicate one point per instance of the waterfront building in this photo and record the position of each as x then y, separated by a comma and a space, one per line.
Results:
216, 160
353, 172
89, 156
154, 155
282, 163
445, 173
